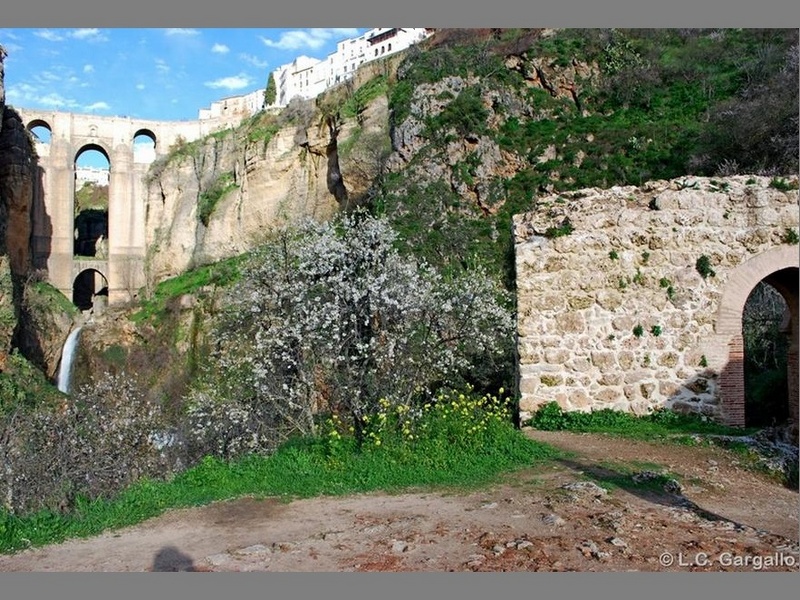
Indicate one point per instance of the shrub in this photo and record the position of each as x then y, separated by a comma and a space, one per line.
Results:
565, 228
790, 236
105, 438
703, 266
337, 318
209, 198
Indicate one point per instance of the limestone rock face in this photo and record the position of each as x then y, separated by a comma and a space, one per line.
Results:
260, 186
16, 196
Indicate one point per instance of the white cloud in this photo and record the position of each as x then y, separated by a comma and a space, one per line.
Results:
88, 34
308, 38
49, 76
182, 31
97, 106
55, 100
140, 86
254, 60
235, 82
162, 66
220, 49
49, 35
88, 68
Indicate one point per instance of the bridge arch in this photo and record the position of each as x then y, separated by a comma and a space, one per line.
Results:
778, 267
41, 130
91, 195
144, 146
89, 288
97, 146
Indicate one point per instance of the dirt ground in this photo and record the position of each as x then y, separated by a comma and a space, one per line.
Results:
721, 518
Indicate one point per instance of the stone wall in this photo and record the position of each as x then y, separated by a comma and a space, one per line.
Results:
615, 313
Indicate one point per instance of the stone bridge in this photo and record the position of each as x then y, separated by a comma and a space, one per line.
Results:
632, 298
121, 267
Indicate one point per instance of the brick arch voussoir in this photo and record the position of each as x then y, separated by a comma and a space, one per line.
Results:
728, 325
742, 281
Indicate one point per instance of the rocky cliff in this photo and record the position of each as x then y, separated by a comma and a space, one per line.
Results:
217, 197
32, 318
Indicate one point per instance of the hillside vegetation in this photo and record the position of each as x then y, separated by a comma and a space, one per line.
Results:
480, 124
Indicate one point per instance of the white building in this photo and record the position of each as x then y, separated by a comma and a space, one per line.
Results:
235, 107
94, 175
307, 77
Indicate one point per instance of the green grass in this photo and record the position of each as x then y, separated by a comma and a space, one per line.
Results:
304, 467
209, 199
660, 424
222, 273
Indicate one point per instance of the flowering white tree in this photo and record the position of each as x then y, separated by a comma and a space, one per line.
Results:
332, 317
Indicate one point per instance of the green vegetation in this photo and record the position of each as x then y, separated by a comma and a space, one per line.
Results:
41, 296
779, 183
790, 237
222, 274
261, 127
662, 104
224, 183
357, 102
91, 196
565, 228
613, 255
636, 476
656, 330
660, 424
766, 349
638, 331
270, 92
23, 386
459, 440
703, 266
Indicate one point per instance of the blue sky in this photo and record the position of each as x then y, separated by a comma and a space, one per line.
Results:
162, 74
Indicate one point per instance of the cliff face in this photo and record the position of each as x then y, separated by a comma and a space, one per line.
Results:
32, 318
215, 198
15, 203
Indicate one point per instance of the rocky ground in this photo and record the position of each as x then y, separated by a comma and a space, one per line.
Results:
711, 514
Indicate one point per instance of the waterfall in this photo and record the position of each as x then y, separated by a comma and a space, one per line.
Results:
67, 356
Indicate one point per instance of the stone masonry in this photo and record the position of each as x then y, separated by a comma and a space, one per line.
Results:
53, 220
616, 314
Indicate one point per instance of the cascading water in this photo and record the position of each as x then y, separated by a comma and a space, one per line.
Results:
67, 356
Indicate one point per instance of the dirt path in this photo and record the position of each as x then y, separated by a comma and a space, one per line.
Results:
724, 519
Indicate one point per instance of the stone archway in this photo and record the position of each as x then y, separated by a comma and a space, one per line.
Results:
89, 289
780, 268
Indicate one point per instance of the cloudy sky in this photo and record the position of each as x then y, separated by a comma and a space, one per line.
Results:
163, 74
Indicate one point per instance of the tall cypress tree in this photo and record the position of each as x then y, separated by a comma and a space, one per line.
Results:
271, 92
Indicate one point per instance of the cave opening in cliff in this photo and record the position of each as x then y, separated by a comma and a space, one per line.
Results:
769, 336
91, 193
89, 288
